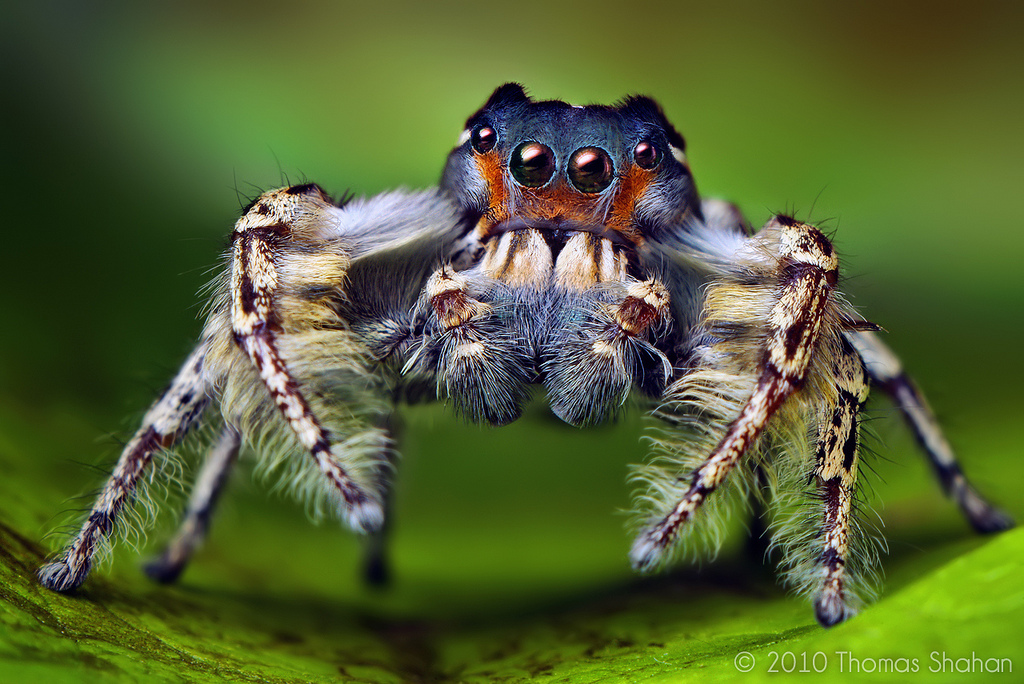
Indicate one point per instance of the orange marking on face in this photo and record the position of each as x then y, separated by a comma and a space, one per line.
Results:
559, 201
631, 186
492, 169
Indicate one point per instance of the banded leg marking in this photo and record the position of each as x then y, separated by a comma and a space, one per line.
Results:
255, 325
808, 270
835, 475
196, 520
164, 425
645, 304
885, 370
450, 300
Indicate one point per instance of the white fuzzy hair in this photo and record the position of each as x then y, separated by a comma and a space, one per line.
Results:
698, 408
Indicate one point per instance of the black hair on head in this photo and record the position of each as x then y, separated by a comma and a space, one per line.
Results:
645, 109
504, 95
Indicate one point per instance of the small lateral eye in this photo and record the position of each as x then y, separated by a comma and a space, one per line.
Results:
590, 169
646, 154
532, 164
483, 138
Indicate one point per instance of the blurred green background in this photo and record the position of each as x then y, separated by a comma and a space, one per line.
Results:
134, 133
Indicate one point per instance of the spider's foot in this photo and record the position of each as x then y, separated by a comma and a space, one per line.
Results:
991, 520
364, 515
61, 576
831, 609
165, 569
647, 552
983, 516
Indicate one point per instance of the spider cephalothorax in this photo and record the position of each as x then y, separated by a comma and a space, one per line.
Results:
567, 247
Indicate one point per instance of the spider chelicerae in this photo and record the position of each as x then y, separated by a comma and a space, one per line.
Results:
566, 247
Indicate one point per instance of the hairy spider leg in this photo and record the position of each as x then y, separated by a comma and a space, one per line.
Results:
808, 272
257, 237
835, 476
886, 371
163, 426
195, 522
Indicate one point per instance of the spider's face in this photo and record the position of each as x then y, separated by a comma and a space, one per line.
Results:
617, 172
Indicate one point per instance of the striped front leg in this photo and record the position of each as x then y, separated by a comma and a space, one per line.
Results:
259, 236
807, 273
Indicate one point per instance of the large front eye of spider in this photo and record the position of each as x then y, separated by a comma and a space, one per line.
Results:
532, 164
646, 155
591, 169
483, 138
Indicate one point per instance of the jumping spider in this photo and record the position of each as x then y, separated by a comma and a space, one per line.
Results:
566, 247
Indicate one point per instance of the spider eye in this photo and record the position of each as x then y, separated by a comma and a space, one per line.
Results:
532, 164
646, 154
483, 138
591, 169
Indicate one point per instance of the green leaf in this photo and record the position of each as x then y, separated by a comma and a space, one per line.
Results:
496, 598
